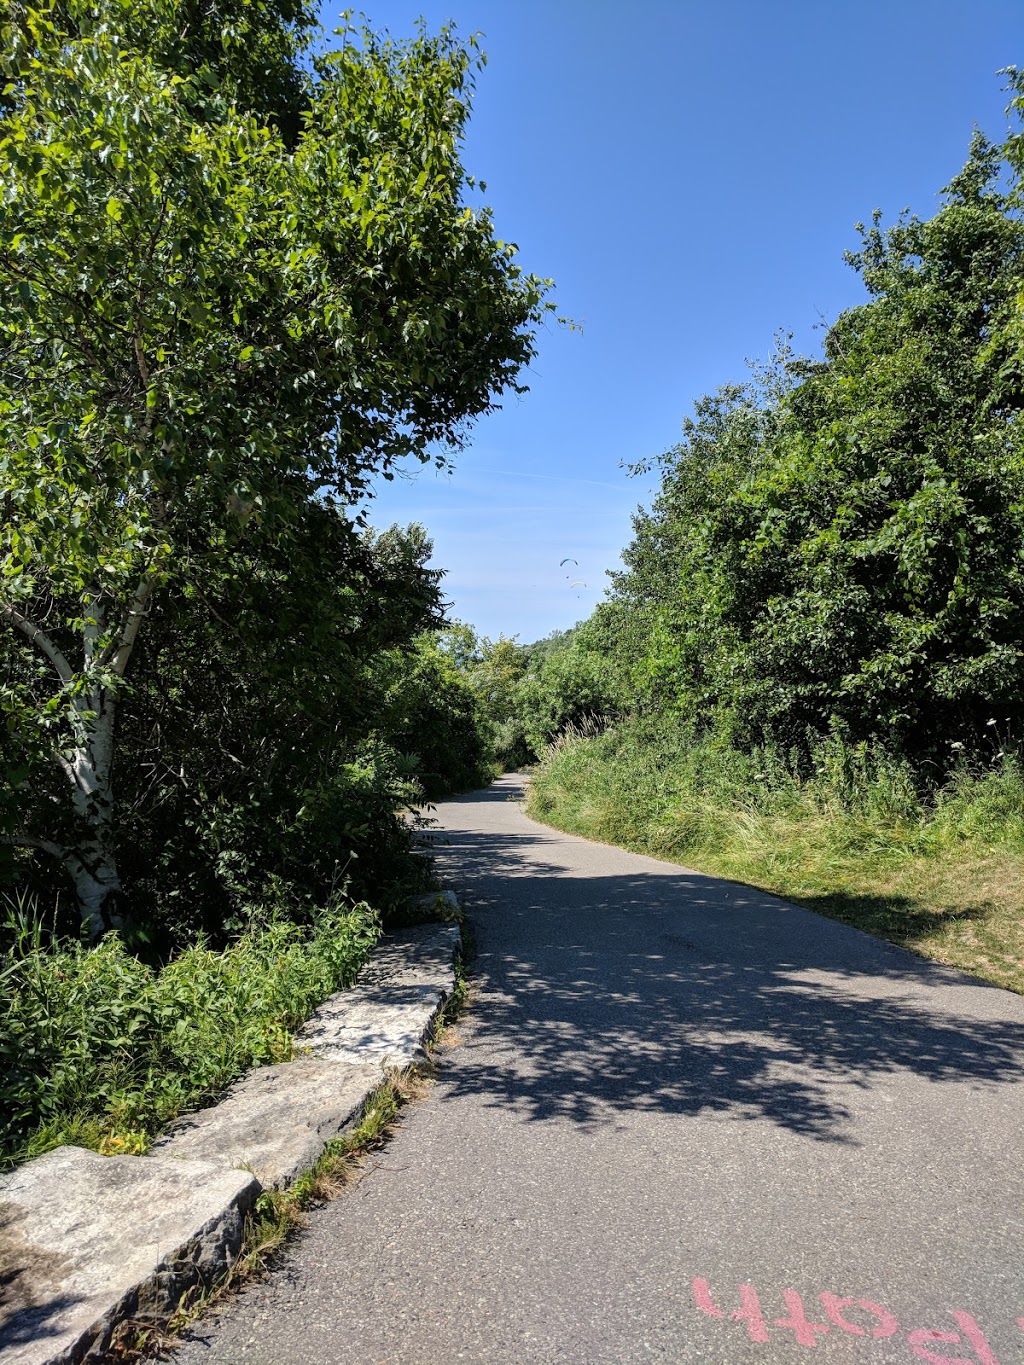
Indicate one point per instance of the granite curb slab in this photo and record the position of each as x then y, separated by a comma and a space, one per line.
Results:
87, 1241
276, 1120
421, 955
433, 901
387, 1016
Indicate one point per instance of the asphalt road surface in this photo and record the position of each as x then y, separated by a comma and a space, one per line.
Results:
683, 1122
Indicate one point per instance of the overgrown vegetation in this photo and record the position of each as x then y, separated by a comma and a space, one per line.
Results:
238, 280
278, 1214
808, 674
100, 1049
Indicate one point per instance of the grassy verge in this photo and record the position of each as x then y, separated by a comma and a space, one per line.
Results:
942, 873
102, 1050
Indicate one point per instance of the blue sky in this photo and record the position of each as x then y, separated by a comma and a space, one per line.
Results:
690, 174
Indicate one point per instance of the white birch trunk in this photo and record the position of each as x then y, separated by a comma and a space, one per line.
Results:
97, 884
91, 863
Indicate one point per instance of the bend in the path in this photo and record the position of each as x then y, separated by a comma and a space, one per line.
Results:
632, 983
682, 1113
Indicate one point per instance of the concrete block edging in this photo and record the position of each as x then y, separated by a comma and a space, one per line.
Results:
87, 1241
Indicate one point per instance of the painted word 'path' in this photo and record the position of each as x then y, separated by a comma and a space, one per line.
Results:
856, 1317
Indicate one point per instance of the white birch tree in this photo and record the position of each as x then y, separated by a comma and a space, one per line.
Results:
203, 324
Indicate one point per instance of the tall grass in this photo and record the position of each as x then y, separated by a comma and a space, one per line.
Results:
100, 1049
860, 836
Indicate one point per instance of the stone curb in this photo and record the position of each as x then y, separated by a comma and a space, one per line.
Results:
387, 1014
87, 1241
275, 1121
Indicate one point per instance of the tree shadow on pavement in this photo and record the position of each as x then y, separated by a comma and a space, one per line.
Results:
672, 992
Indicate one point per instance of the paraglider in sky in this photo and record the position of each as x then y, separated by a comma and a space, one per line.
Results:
573, 583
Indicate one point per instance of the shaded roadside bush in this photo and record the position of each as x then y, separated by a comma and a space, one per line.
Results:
653, 784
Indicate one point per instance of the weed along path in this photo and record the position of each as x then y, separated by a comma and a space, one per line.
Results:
681, 1122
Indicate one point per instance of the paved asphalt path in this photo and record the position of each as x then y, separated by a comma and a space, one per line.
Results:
679, 1114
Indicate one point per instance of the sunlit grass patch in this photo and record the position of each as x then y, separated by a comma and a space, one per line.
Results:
941, 872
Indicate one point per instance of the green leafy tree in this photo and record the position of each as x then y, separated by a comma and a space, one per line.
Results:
208, 321
495, 678
255, 767
428, 711
841, 548
570, 686
254, 50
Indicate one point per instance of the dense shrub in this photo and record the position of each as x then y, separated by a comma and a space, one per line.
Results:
568, 687
430, 713
836, 546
